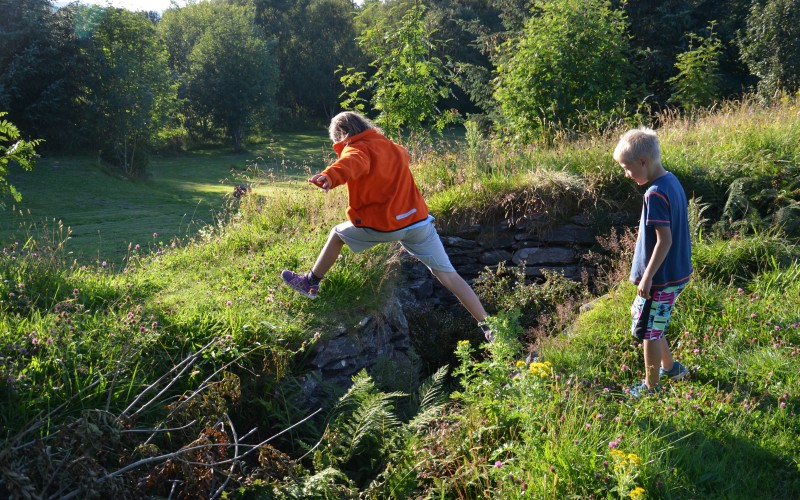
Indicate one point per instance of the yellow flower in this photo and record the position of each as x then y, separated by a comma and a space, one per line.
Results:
520, 364
637, 493
634, 458
463, 342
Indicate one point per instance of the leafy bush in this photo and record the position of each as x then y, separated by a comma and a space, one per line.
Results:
569, 69
13, 151
697, 83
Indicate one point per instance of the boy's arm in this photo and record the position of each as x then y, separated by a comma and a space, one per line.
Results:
663, 244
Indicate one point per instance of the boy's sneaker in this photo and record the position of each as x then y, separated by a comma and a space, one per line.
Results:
678, 372
300, 283
641, 390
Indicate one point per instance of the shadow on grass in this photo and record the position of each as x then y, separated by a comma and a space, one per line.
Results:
719, 464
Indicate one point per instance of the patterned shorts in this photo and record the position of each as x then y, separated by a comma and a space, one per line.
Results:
651, 316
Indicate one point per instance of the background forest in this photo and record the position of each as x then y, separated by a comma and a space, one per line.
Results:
125, 84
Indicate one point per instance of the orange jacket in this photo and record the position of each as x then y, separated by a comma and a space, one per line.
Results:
381, 191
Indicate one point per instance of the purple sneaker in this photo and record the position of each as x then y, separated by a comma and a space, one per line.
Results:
488, 333
300, 283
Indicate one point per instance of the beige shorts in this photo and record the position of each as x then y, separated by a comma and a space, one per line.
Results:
420, 240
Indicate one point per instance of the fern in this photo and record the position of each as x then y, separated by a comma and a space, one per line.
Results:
364, 425
432, 399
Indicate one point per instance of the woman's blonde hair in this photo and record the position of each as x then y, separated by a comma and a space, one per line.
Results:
347, 124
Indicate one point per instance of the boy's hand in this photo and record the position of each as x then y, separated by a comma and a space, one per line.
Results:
644, 288
320, 181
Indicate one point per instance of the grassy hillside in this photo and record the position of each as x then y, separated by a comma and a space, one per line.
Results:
181, 194
107, 374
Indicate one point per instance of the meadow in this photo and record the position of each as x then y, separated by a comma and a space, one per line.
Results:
177, 371
182, 193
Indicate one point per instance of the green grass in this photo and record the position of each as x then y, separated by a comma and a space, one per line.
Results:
182, 193
200, 339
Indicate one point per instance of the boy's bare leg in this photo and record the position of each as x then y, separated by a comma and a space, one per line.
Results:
666, 355
656, 355
463, 292
327, 257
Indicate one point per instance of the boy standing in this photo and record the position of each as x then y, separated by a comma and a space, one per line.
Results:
662, 261
384, 205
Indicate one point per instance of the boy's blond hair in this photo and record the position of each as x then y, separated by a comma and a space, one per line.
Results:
638, 143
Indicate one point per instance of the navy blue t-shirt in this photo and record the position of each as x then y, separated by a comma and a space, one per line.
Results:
664, 205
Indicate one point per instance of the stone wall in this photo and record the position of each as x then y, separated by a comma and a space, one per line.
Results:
343, 352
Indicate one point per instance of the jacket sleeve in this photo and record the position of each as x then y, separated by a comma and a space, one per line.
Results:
352, 164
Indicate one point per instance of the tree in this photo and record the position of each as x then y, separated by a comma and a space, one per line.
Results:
659, 31
128, 90
323, 38
311, 39
697, 82
568, 69
37, 61
409, 80
13, 150
769, 45
227, 71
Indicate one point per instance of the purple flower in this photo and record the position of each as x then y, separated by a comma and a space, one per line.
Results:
75, 291
613, 444
104, 264
498, 464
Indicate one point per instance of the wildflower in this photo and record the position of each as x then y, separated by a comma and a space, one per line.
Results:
520, 364
613, 445
155, 235
783, 404
155, 324
229, 303
753, 315
623, 368
142, 329
588, 425
777, 327
137, 247
498, 464
637, 493
740, 290
75, 291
